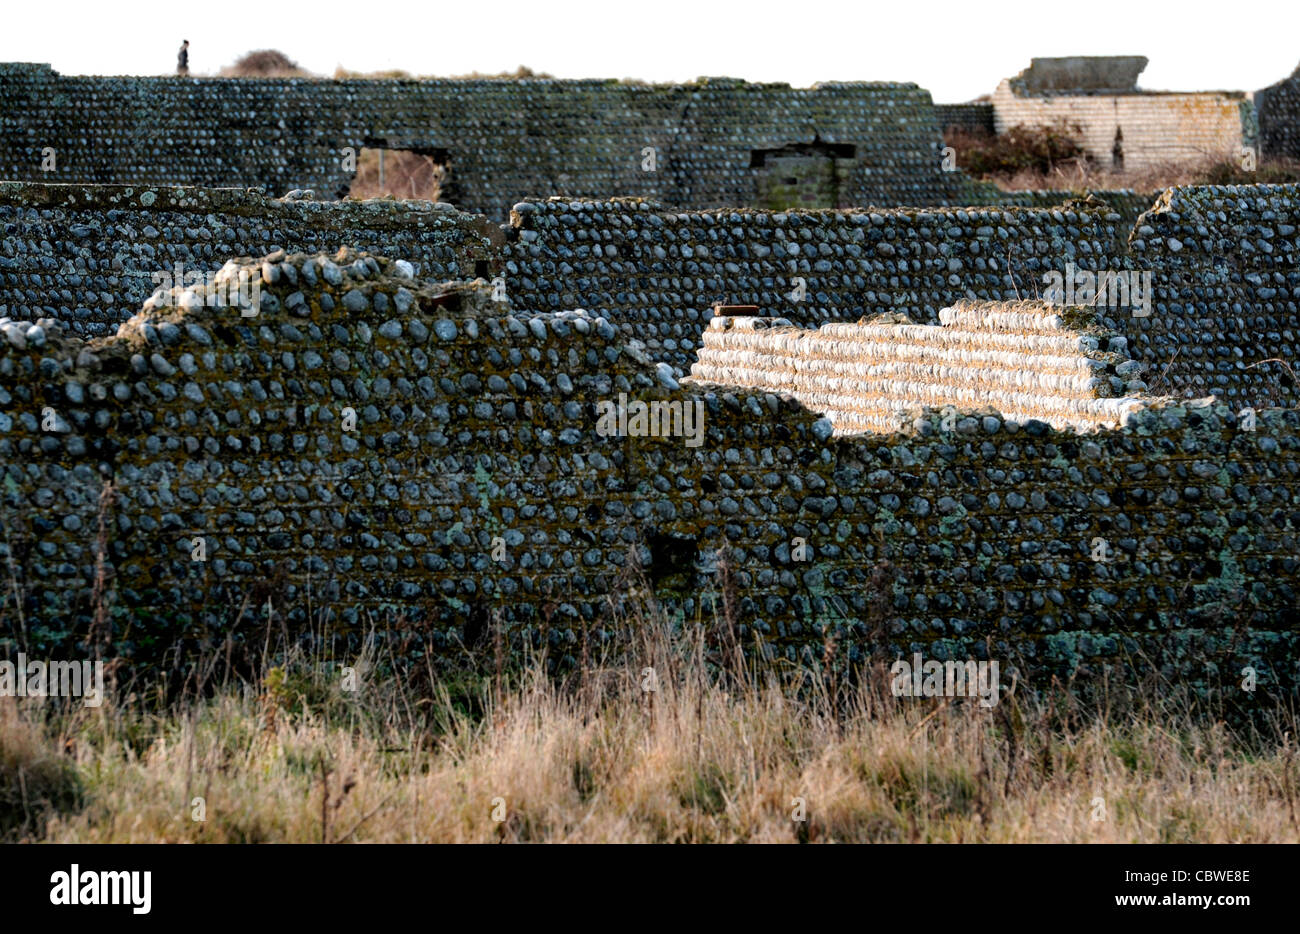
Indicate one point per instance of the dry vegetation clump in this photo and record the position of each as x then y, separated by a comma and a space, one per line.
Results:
37, 777
265, 63
1155, 179
676, 738
521, 73
396, 74
1038, 150
1027, 159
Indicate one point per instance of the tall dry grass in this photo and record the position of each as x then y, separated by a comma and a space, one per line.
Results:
679, 739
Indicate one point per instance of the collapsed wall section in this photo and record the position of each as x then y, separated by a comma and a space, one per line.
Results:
1205, 288
1025, 360
216, 469
90, 255
659, 271
477, 481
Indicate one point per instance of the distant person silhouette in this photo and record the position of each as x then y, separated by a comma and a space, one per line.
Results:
183, 59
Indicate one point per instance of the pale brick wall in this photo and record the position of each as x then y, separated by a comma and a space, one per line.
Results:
1157, 128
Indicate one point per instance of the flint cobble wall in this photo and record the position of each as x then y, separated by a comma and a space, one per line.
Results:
89, 255
474, 425
1225, 274
659, 271
972, 117
1222, 263
1278, 106
504, 140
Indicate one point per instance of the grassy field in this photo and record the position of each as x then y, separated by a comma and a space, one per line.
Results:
672, 743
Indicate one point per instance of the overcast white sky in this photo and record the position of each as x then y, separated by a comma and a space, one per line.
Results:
957, 50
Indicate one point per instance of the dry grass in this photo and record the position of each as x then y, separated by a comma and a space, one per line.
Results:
715, 753
36, 777
1080, 176
1034, 158
1154, 179
523, 72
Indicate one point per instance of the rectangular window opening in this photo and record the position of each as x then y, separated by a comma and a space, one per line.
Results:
414, 174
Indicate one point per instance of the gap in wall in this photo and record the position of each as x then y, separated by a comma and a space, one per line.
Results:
417, 174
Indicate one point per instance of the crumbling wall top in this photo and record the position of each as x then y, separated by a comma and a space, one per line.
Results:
1112, 74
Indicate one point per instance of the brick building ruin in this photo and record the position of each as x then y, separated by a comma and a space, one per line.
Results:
1120, 126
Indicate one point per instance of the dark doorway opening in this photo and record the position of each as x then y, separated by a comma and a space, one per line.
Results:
802, 175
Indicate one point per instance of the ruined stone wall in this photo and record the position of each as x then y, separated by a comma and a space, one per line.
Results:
211, 425
1221, 263
1225, 264
1278, 106
976, 117
1150, 129
1026, 360
89, 255
474, 425
504, 140
659, 271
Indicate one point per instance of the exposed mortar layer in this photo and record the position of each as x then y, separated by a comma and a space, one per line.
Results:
1022, 359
